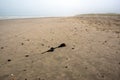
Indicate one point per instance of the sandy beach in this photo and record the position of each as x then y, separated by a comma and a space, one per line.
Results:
75, 48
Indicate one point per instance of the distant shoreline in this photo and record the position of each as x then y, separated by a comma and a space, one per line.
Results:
36, 17
27, 17
18, 17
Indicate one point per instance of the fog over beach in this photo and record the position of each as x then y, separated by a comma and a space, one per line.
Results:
51, 8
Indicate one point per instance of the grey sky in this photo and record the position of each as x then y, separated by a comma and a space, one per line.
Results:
57, 7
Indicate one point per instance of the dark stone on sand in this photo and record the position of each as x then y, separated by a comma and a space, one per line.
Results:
22, 43
86, 68
105, 41
117, 32
102, 76
9, 60
42, 44
119, 63
2, 47
86, 29
66, 66
116, 51
66, 58
24, 70
73, 48
62, 45
28, 40
26, 55
25, 78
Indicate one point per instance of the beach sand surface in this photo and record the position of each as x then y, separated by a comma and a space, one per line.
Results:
91, 48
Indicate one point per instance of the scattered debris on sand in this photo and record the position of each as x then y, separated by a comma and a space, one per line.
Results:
53, 48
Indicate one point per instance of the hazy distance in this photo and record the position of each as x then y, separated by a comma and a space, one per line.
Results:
57, 7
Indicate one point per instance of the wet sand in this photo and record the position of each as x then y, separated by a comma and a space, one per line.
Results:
66, 48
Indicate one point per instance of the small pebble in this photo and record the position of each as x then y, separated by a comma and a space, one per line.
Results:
105, 41
2, 47
26, 55
73, 48
42, 44
102, 76
25, 78
66, 58
22, 43
117, 32
66, 66
9, 60
86, 68
28, 40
